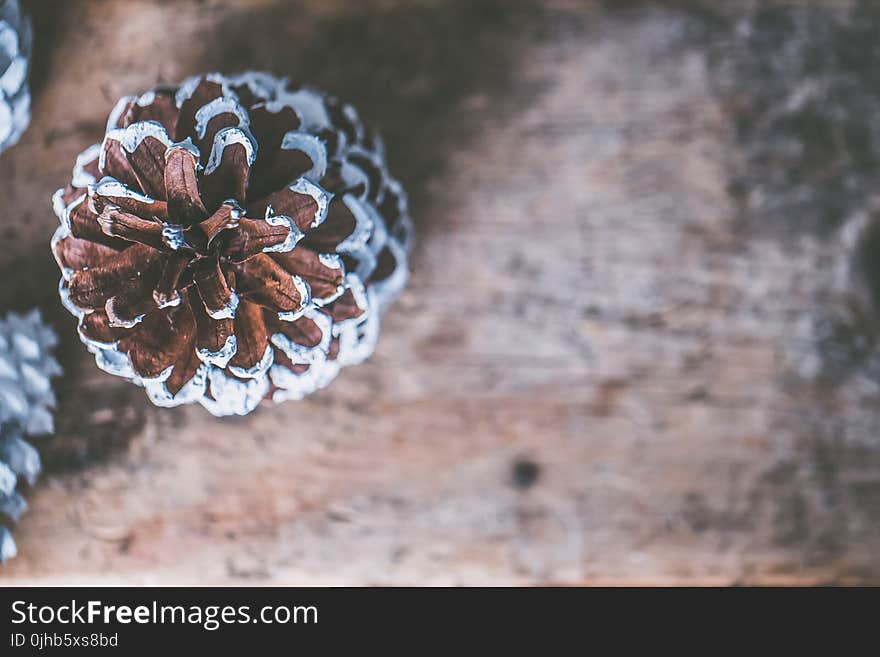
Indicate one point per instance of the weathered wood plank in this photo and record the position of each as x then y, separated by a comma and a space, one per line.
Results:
599, 373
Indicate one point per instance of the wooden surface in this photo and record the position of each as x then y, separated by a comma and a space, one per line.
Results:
605, 369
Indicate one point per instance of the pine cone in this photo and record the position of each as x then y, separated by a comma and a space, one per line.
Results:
231, 239
15, 52
26, 397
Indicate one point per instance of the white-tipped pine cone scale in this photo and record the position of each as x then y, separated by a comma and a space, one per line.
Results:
15, 52
232, 239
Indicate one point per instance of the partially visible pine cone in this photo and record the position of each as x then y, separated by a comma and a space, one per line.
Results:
26, 366
231, 239
15, 52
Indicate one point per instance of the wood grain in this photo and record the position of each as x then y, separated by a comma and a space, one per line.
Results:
597, 374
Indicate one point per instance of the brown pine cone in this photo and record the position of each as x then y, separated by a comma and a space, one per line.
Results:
231, 239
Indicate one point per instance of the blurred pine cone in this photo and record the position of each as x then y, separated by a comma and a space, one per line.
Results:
231, 239
15, 52
26, 366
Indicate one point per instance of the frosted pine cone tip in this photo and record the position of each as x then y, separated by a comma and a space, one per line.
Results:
231, 239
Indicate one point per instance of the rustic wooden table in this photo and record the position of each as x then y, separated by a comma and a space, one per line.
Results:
605, 370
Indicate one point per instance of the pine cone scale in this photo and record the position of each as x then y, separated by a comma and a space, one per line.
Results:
111, 192
191, 101
83, 224
158, 341
174, 272
181, 186
324, 273
227, 171
252, 340
212, 335
96, 327
76, 253
147, 161
185, 369
130, 227
303, 202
